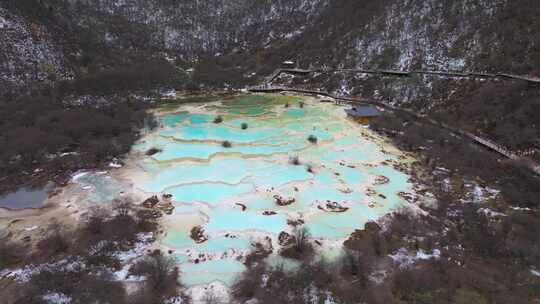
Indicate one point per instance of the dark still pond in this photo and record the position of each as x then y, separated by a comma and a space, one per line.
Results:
24, 198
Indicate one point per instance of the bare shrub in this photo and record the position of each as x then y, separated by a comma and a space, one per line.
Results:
122, 206
210, 298
312, 139
301, 248
226, 144
301, 238
76, 283
161, 275
96, 218
122, 228
146, 220
102, 254
248, 283
218, 119
354, 263
10, 253
55, 242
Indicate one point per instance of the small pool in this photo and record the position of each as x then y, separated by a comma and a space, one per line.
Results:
25, 198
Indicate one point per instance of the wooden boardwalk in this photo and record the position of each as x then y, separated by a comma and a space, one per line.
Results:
278, 72
398, 73
358, 100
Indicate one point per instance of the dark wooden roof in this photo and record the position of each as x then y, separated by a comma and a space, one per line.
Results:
363, 111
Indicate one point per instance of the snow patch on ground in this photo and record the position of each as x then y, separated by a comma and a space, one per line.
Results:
490, 213
25, 274
31, 228
175, 300
56, 298
4, 23
115, 165
481, 193
128, 257
218, 290
521, 209
403, 259
78, 175
76, 263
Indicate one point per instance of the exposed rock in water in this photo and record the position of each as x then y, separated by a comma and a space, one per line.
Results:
295, 222
151, 202
268, 213
285, 239
197, 234
153, 151
371, 192
346, 190
261, 251
167, 208
381, 180
244, 207
149, 214
406, 196
333, 207
282, 201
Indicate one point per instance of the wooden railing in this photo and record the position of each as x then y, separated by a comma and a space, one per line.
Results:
533, 80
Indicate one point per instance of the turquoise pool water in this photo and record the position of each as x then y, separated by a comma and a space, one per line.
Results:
227, 190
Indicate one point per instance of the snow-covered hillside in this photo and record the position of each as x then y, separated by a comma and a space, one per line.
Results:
256, 36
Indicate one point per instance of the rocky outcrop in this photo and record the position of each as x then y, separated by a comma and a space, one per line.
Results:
381, 180
197, 234
166, 207
281, 201
151, 202
285, 239
332, 207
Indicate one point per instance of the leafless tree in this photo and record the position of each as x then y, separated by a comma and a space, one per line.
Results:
96, 218
210, 298
122, 206
301, 237
55, 241
161, 274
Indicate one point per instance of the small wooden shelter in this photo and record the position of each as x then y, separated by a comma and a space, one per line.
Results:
363, 114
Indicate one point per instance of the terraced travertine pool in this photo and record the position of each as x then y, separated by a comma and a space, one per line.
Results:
209, 183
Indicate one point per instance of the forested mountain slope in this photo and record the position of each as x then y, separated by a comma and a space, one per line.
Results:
55, 39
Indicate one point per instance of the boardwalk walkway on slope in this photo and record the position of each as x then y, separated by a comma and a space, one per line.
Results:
355, 100
532, 80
